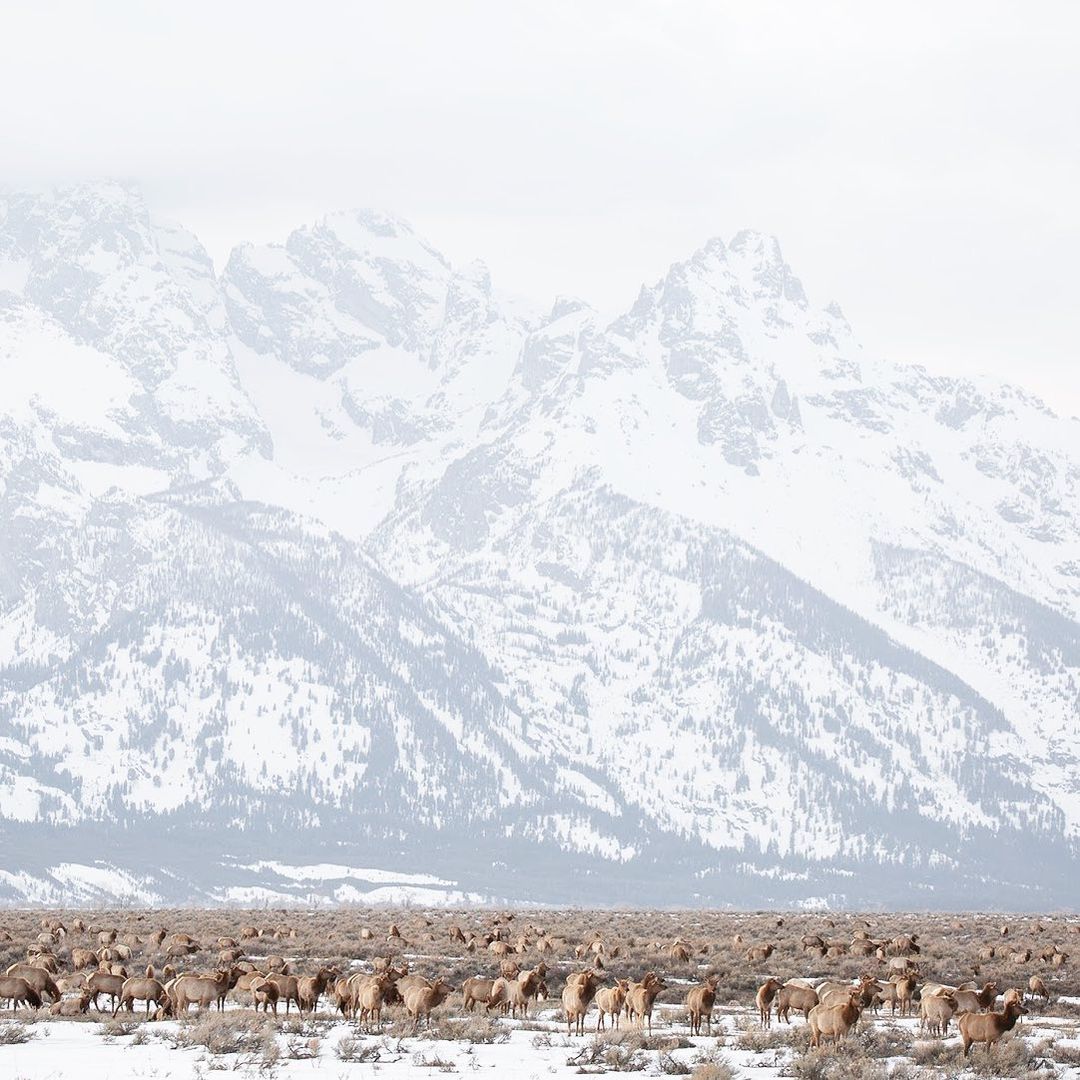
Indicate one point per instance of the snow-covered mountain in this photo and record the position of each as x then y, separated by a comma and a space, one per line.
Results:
344, 575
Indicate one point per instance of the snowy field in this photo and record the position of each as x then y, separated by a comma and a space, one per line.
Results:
323, 1047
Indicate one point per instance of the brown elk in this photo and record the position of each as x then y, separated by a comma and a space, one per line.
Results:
577, 996
699, 1004
18, 991
988, 1027
764, 998
833, 1022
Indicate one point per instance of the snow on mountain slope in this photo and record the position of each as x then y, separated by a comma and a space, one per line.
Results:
342, 559
140, 295
366, 354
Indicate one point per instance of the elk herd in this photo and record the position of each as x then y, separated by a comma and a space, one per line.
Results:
71, 970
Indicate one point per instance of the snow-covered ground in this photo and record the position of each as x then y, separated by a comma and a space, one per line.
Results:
538, 1049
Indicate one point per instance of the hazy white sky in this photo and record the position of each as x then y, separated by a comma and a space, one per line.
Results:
919, 162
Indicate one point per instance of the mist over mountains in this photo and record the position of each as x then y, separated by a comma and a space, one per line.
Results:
341, 575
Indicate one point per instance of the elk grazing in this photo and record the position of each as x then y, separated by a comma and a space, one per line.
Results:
18, 991
83, 958
988, 1027
902, 965
38, 978
906, 945
41, 959
1037, 988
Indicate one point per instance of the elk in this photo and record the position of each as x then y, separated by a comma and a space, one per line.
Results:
264, 994
795, 996
833, 1022
369, 998
420, 1000
83, 958
140, 989
936, 1011
640, 998
474, 991
976, 1000
288, 989
72, 1006
610, 1001
201, 990
18, 991
988, 1027
699, 1004
310, 988
577, 995
766, 992
103, 982
38, 978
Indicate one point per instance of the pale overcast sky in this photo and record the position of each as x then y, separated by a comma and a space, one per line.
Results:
919, 162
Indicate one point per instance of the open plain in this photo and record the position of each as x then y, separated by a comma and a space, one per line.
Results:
410, 992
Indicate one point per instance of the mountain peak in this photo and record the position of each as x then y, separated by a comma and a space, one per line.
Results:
388, 550
760, 253
376, 234
764, 246
567, 305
